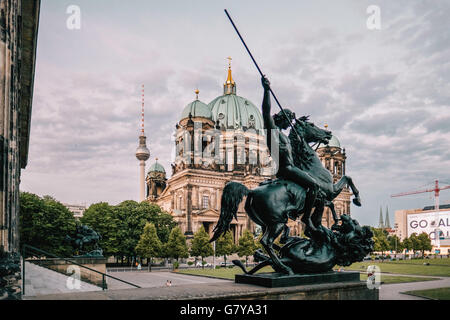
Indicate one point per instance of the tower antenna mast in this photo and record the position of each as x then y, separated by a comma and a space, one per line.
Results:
142, 152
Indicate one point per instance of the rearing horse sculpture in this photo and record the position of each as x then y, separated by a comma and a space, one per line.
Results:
273, 202
307, 159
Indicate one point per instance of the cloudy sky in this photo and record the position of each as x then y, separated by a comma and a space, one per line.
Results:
385, 93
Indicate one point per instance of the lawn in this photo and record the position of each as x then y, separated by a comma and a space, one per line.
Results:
441, 262
387, 279
229, 273
437, 267
437, 294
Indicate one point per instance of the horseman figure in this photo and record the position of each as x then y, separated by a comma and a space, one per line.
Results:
285, 157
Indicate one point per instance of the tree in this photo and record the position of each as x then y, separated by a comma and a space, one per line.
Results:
247, 245
99, 216
149, 245
225, 246
132, 217
45, 223
200, 246
395, 243
407, 244
176, 247
424, 243
415, 242
381, 244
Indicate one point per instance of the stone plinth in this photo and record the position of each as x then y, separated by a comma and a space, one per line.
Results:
276, 280
231, 291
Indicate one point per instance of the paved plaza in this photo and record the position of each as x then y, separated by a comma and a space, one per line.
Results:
156, 279
394, 291
42, 283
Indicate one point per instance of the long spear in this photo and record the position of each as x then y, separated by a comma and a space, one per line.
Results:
260, 72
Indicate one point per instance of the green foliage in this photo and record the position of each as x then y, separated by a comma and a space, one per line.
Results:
395, 244
247, 245
407, 244
121, 226
176, 247
415, 242
381, 242
424, 243
149, 245
45, 223
100, 217
225, 245
200, 246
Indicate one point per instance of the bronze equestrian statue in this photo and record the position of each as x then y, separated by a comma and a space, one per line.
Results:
303, 183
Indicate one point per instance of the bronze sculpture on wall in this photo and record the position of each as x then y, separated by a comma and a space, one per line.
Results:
85, 239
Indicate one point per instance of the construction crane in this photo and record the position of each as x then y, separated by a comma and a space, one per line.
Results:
436, 191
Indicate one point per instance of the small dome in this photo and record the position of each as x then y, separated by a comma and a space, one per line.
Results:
197, 109
235, 112
156, 167
333, 143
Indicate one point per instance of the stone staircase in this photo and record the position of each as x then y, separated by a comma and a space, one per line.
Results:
42, 281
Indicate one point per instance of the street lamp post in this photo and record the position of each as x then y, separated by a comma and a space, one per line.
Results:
214, 255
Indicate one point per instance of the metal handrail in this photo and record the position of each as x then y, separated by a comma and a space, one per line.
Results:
104, 287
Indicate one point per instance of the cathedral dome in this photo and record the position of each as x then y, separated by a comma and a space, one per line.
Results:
197, 109
235, 112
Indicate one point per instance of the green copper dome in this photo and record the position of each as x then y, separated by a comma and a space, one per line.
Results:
236, 112
197, 109
156, 167
333, 143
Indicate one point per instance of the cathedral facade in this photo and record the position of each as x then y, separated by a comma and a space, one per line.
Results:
219, 142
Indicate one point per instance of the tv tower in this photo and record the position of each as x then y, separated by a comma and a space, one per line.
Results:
142, 154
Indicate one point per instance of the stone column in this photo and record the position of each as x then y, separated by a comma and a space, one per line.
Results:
172, 202
189, 232
218, 198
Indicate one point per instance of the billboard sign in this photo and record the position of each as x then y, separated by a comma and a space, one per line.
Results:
425, 222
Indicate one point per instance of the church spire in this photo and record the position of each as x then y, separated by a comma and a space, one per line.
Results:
229, 87
380, 221
387, 223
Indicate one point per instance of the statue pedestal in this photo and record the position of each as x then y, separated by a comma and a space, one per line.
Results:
276, 280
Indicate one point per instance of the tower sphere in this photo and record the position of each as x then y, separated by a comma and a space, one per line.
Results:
142, 152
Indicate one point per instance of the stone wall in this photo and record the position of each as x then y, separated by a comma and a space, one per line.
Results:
86, 275
18, 37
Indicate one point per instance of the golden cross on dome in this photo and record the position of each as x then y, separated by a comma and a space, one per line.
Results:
229, 61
